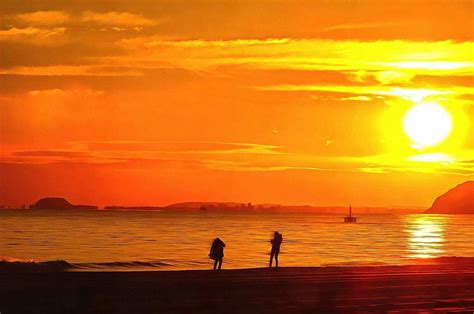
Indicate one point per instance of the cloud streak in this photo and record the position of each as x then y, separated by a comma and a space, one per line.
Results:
44, 18
33, 35
118, 19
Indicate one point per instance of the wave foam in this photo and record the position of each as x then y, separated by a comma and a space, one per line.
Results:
14, 265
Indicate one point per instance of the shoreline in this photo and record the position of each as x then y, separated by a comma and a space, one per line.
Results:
11, 265
442, 287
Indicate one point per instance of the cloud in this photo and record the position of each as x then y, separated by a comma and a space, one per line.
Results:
179, 147
380, 62
430, 65
52, 156
238, 166
32, 35
46, 92
141, 152
433, 163
362, 26
357, 98
50, 153
383, 77
383, 62
390, 77
238, 157
72, 70
61, 92
217, 43
118, 19
412, 94
377, 170
44, 18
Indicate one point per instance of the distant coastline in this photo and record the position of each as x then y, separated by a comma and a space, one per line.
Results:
459, 200
226, 207
59, 203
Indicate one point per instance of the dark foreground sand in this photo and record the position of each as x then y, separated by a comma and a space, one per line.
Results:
426, 288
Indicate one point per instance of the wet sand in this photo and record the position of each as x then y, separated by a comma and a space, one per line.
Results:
430, 288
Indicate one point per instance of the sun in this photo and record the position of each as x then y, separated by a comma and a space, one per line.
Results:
427, 124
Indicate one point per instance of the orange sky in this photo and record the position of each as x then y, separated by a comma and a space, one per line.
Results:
153, 102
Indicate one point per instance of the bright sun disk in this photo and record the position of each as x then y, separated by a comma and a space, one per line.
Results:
427, 124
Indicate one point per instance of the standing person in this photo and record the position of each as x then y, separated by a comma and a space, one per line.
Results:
217, 252
276, 243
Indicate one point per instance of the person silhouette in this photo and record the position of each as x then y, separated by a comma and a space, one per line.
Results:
276, 243
217, 252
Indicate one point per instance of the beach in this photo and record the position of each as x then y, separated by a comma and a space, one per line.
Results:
435, 287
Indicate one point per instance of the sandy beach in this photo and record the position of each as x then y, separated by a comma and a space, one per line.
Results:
443, 288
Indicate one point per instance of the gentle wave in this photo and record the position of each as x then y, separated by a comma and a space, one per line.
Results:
12, 265
121, 265
32, 266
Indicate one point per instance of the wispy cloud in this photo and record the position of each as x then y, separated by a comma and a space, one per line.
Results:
357, 98
75, 70
42, 18
216, 43
61, 92
112, 150
179, 147
412, 94
33, 35
118, 19
431, 163
362, 26
238, 157
240, 166
386, 62
50, 153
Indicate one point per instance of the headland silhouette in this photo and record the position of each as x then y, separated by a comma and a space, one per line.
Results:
458, 200
58, 203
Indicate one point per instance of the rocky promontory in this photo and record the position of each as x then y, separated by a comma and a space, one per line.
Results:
459, 200
58, 203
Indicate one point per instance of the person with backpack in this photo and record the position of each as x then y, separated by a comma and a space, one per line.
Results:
217, 252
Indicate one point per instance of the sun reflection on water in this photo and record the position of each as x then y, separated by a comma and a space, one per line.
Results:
426, 235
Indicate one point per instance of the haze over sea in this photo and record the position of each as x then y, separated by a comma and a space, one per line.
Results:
116, 240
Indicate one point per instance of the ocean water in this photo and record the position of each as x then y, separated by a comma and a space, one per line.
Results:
98, 240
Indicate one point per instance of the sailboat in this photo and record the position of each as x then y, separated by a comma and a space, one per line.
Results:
350, 218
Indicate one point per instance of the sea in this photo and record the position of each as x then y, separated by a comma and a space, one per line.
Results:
162, 240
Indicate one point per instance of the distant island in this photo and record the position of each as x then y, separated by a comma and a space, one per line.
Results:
459, 200
58, 203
